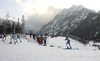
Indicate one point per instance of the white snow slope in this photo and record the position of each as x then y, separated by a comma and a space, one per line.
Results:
31, 51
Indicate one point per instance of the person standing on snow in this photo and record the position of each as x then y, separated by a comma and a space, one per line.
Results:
30, 35
34, 35
45, 38
39, 39
18, 37
68, 42
12, 37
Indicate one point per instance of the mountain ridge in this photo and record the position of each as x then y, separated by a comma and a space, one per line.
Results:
68, 20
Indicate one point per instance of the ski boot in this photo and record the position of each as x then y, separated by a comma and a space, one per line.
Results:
67, 48
10, 43
3, 41
20, 41
70, 48
14, 42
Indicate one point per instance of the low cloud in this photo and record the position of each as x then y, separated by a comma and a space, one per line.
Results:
37, 21
38, 13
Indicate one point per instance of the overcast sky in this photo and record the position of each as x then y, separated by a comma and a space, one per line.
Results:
39, 12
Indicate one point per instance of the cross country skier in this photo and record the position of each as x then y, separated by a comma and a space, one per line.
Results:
12, 37
3, 36
18, 37
68, 42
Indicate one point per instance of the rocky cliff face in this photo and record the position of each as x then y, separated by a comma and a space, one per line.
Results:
77, 20
89, 28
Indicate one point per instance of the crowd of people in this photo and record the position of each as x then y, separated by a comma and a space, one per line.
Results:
14, 38
41, 39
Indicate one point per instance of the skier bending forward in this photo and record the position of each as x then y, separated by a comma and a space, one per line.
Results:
12, 37
68, 43
18, 37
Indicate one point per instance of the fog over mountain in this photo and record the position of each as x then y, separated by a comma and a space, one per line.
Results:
37, 21
77, 20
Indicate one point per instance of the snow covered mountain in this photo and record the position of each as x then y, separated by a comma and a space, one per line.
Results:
69, 20
89, 28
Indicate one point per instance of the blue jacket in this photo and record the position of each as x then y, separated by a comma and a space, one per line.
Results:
66, 37
18, 36
45, 39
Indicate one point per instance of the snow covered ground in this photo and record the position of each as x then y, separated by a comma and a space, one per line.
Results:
31, 51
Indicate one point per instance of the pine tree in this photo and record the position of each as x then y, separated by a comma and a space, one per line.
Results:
18, 27
22, 24
13, 27
7, 26
8, 30
4, 26
7, 17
